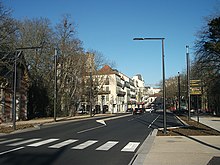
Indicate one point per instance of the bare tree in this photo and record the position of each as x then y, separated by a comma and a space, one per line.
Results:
38, 33
8, 29
71, 63
207, 61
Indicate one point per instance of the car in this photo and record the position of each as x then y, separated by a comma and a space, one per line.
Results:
138, 111
130, 110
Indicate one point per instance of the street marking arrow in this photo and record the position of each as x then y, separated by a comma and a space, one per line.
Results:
101, 122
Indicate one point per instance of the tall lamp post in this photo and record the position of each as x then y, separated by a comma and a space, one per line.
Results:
179, 99
163, 70
188, 79
18, 53
55, 85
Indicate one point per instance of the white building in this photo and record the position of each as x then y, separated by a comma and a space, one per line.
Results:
118, 92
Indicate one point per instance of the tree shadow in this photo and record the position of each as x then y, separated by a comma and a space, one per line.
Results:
35, 158
199, 141
214, 161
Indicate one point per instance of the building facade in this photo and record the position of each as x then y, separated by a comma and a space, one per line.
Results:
118, 92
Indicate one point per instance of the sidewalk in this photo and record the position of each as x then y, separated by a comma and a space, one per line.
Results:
173, 150
182, 150
213, 122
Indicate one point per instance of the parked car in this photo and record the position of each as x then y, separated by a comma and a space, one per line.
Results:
130, 110
138, 111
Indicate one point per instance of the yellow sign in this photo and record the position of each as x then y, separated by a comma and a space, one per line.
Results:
195, 87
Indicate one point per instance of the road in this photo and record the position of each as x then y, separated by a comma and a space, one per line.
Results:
109, 141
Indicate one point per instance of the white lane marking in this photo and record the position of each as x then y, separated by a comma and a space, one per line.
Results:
23, 142
62, 144
5, 152
153, 121
130, 147
90, 129
107, 146
42, 142
85, 144
11, 140
101, 122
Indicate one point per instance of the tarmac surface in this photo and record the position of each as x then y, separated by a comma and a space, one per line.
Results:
181, 150
168, 150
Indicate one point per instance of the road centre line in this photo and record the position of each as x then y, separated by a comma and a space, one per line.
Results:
102, 121
115, 117
5, 152
153, 121
90, 129
139, 116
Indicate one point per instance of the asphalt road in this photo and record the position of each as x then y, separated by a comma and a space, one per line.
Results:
110, 141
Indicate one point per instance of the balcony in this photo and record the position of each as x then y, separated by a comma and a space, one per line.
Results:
133, 96
120, 93
104, 92
127, 84
119, 84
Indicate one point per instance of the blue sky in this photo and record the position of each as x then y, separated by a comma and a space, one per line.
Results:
109, 27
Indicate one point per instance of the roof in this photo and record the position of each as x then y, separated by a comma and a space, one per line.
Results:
107, 70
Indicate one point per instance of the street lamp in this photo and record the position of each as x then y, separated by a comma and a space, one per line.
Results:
55, 85
188, 79
18, 53
179, 102
163, 70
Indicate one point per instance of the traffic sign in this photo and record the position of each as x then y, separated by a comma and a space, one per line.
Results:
195, 87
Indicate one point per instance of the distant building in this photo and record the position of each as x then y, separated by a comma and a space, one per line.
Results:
118, 92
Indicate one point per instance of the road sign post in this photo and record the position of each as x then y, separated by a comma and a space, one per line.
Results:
196, 90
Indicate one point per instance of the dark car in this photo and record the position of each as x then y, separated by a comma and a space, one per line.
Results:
138, 111
130, 110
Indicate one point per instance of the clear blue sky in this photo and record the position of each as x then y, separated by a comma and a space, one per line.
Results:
109, 27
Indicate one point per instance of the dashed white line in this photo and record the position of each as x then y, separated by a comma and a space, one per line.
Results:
90, 129
153, 121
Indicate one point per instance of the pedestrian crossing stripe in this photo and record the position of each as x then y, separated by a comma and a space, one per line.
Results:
11, 140
85, 144
107, 146
42, 142
129, 147
23, 142
64, 143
